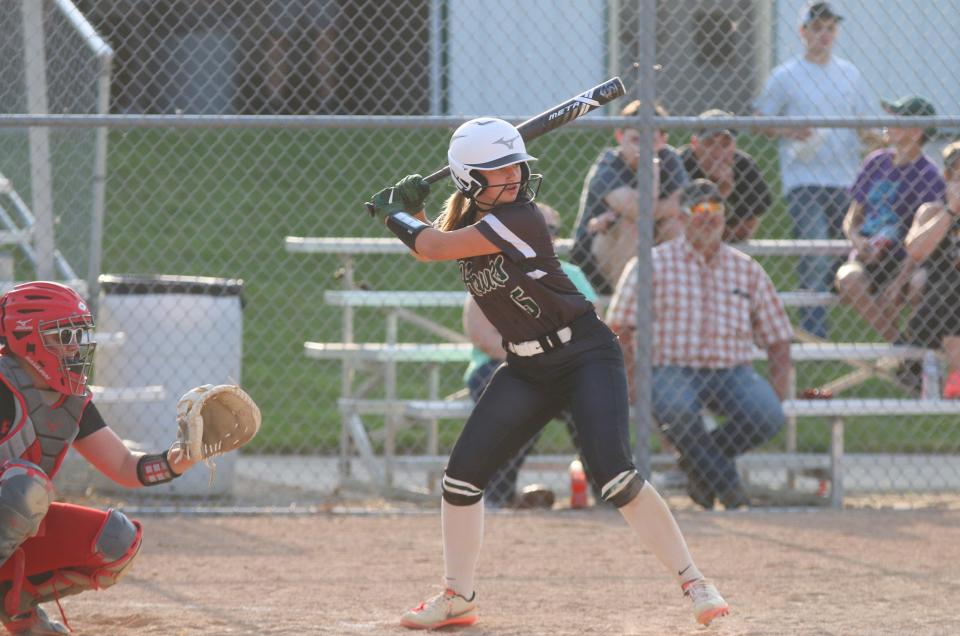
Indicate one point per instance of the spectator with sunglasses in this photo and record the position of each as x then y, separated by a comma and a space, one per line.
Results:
488, 354
711, 305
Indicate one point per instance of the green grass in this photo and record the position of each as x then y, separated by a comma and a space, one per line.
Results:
219, 203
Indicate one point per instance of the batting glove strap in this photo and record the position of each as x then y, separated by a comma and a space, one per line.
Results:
153, 470
406, 227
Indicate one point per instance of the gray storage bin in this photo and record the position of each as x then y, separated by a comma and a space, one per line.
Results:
179, 332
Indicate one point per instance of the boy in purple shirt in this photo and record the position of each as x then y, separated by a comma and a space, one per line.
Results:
891, 185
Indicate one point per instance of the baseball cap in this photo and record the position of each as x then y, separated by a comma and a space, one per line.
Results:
817, 11
911, 106
699, 191
711, 114
951, 156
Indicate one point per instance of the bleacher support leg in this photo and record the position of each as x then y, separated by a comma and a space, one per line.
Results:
836, 462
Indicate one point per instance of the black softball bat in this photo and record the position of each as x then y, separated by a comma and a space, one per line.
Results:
555, 117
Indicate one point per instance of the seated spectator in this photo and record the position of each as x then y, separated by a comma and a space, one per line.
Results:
711, 304
488, 355
712, 154
616, 235
609, 203
891, 185
934, 242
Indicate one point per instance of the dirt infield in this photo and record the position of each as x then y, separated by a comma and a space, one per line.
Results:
560, 572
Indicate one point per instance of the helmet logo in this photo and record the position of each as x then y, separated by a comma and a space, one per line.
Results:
24, 325
82, 306
507, 142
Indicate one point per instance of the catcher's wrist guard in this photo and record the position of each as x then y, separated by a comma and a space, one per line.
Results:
153, 470
406, 227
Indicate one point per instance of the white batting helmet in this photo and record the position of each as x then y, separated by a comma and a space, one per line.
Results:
485, 143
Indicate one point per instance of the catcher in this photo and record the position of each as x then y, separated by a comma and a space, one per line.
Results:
49, 550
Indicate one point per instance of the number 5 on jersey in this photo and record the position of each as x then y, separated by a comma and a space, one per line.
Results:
524, 302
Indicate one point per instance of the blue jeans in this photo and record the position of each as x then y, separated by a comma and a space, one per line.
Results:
817, 213
753, 415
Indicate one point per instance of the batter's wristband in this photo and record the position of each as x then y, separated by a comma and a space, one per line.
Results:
406, 227
153, 470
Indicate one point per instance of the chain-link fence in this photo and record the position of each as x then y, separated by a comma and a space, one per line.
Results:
244, 137
54, 62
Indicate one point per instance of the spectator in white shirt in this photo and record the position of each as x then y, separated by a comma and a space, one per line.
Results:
817, 165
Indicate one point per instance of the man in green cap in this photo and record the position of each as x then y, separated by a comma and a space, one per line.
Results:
893, 182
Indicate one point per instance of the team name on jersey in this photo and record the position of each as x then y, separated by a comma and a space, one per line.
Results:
486, 279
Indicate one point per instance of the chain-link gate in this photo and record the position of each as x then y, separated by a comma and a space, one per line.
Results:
227, 171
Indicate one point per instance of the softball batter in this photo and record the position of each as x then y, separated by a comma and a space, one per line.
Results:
559, 354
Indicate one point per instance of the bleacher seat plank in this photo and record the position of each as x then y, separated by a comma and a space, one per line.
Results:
349, 245
461, 351
386, 352
419, 298
835, 409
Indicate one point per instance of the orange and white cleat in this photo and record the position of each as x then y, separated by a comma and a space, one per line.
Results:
445, 609
707, 602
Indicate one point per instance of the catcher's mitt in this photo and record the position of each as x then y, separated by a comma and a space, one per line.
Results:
213, 420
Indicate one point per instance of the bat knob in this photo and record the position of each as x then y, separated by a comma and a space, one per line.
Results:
372, 211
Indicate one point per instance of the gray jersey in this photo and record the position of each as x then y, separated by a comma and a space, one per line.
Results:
521, 290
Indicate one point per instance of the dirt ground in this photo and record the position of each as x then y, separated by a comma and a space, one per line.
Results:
558, 572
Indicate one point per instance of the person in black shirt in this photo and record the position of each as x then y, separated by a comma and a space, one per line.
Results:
46, 349
934, 242
559, 355
713, 154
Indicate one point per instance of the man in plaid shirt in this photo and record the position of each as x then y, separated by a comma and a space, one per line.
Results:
711, 305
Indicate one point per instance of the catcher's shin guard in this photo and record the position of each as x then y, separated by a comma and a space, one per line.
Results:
117, 544
25, 496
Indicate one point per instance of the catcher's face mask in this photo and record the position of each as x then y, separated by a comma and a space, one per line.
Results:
50, 326
72, 342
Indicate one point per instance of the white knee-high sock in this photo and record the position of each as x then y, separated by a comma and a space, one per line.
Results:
653, 522
462, 537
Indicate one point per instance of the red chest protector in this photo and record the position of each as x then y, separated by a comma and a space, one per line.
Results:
40, 433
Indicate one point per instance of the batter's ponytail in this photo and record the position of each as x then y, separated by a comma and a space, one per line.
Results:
458, 212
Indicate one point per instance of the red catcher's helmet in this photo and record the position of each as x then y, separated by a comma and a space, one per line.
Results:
50, 326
